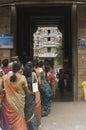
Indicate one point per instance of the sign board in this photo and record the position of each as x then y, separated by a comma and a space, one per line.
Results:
6, 40
5, 1
82, 42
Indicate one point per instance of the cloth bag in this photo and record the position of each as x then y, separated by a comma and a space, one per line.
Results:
35, 87
34, 82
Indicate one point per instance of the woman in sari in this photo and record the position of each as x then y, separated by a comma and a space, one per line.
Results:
33, 121
51, 78
37, 94
45, 90
15, 86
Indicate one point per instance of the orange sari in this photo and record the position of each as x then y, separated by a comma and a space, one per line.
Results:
38, 104
52, 81
14, 103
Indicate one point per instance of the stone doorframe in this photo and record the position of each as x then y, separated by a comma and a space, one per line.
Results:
74, 47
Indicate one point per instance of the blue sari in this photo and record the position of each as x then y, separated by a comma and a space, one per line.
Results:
46, 95
33, 122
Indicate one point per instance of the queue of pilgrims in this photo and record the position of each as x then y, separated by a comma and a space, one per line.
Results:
26, 94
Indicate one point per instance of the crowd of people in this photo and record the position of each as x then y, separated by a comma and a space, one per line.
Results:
22, 105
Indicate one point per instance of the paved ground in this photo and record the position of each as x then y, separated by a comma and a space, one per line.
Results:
66, 116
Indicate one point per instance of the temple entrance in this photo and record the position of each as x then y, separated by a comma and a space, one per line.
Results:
28, 20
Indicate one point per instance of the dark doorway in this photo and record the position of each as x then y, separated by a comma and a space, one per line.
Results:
29, 18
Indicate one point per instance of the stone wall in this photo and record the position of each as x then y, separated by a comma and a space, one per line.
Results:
81, 71
4, 29
82, 50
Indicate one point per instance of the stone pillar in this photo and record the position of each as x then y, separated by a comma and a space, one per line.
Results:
74, 52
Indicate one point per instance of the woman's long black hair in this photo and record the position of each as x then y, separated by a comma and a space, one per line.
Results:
15, 68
